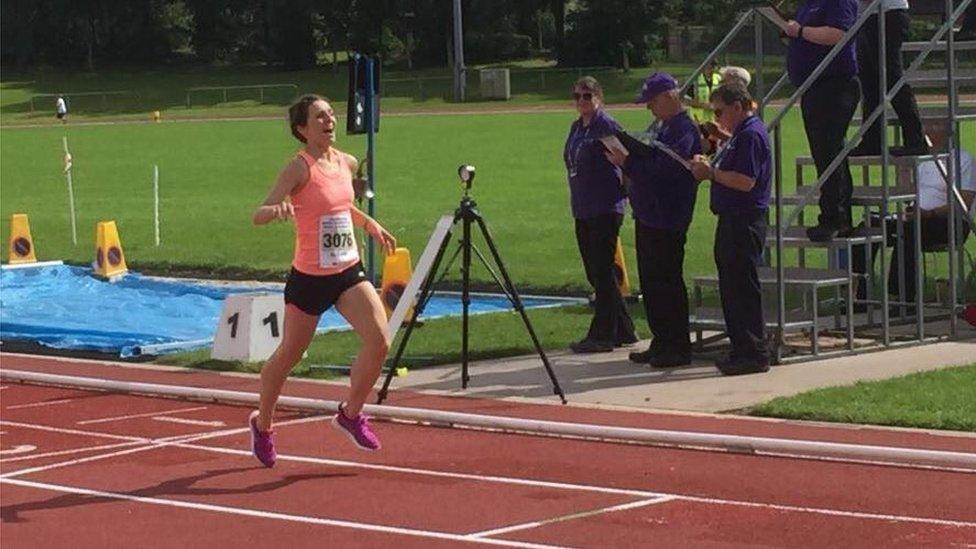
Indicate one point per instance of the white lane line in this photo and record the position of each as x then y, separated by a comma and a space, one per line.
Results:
2, 387
72, 451
20, 449
270, 515
185, 441
186, 421
38, 404
150, 444
65, 431
600, 489
829, 512
134, 416
432, 473
573, 516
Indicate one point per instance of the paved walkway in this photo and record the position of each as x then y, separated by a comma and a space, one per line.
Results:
609, 379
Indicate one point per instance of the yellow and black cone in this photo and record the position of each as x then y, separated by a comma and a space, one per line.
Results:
396, 275
109, 258
21, 245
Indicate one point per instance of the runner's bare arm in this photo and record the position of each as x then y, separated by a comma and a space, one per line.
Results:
374, 229
276, 206
353, 163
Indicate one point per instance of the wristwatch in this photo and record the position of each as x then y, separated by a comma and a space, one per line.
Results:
799, 33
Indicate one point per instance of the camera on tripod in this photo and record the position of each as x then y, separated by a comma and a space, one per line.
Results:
466, 173
426, 275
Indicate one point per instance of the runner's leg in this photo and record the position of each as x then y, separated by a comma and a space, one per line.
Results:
362, 308
298, 331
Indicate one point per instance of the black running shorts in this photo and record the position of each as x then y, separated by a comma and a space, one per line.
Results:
316, 294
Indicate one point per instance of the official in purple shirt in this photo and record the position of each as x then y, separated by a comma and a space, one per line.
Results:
597, 199
828, 105
740, 175
662, 197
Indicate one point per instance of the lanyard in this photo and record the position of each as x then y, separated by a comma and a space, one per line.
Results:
577, 141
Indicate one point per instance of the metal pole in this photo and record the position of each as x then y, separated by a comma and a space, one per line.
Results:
370, 172
952, 169
721, 46
780, 268
885, 160
459, 69
758, 36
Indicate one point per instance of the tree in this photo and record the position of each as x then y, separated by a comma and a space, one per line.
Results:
608, 32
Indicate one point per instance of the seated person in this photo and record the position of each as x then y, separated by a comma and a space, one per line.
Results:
933, 211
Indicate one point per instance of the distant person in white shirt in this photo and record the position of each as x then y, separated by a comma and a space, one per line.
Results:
933, 210
62, 109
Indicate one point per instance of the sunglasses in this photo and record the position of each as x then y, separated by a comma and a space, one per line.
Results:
585, 96
718, 113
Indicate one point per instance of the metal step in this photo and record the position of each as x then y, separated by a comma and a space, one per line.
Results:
793, 276
796, 237
936, 78
861, 196
964, 111
911, 161
706, 318
957, 45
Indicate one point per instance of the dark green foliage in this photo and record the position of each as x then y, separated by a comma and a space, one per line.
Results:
295, 34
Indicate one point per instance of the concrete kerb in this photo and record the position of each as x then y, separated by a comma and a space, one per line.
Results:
682, 439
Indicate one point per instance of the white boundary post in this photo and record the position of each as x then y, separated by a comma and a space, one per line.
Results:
71, 191
156, 201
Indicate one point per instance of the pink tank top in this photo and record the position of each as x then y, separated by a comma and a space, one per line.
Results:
324, 239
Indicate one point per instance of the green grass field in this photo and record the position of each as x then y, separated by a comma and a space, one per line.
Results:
213, 173
533, 82
941, 399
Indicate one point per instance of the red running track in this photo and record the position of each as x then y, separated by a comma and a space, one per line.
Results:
97, 469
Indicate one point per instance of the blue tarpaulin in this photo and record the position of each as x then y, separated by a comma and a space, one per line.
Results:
64, 307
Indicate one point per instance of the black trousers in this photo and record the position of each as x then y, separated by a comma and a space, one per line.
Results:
660, 265
935, 232
896, 31
597, 240
739, 240
827, 109
969, 19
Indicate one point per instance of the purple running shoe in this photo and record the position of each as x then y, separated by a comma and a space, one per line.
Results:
357, 430
262, 442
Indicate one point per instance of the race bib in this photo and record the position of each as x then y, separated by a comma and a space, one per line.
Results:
337, 243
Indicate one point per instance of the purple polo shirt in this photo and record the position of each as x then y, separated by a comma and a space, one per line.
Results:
802, 56
595, 186
662, 192
748, 152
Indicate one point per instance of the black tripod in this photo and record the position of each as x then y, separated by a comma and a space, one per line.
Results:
467, 214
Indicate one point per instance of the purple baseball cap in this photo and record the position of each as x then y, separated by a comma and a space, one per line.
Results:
655, 84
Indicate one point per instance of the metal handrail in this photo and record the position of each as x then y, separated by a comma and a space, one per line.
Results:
721, 46
893, 90
834, 52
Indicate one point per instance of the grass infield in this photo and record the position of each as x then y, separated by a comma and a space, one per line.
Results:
940, 399
213, 173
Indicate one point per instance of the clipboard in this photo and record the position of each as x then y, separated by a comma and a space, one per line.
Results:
627, 143
630, 145
774, 16
670, 152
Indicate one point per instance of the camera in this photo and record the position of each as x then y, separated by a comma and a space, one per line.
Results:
466, 173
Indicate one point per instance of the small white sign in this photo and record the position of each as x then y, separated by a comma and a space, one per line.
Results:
250, 327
